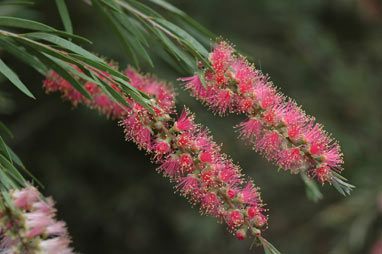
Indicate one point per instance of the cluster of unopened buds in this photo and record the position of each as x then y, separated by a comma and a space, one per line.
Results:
28, 224
185, 151
276, 126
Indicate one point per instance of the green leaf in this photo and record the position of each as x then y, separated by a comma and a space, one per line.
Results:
184, 36
12, 170
5, 130
72, 36
138, 98
65, 44
268, 247
3, 147
7, 199
19, 163
342, 187
63, 10
50, 61
131, 25
118, 30
24, 23
11, 76
15, 158
4, 179
34, 25
113, 93
101, 66
204, 60
199, 27
143, 8
60, 70
111, 5
312, 191
168, 6
201, 77
175, 51
137, 46
20, 53
40, 47
17, 3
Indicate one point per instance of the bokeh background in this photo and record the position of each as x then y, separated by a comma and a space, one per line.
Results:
326, 54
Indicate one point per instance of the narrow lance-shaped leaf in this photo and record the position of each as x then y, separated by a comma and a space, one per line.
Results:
19, 163
4, 179
101, 66
34, 25
184, 36
111, 92
5, 130
24, 23
133, 26
65, 44
174, 50
35, 46
10, 46
168, 6
137, 46
17, 3
118, 31
7, 199
63, 10
3, 147
142, 8
50, 61
11, 170
111, 5
14, 157
11, 76
312, 190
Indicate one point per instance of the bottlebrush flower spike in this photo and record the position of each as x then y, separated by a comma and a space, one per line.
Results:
185, 151
276, 126
28, 224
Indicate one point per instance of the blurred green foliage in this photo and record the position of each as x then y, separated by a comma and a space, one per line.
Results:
326, 54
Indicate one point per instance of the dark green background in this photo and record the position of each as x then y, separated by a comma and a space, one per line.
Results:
327, 55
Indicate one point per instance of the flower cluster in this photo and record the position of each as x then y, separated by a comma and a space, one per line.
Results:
276, 126
185, 151
29, 225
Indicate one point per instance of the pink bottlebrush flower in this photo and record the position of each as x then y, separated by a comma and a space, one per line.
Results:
205, 157
188, 184
57, 228
185, 151
184, 140
32, 223
276, 126
186, 162
162, 148
229, 173
171, 166
250, 129
37, 219
231, 193
25, 198
252, 211
222, 100
184, 122
236, 219
210, 203
57, 245
248, 195
260, 220
269, 144
241, 234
